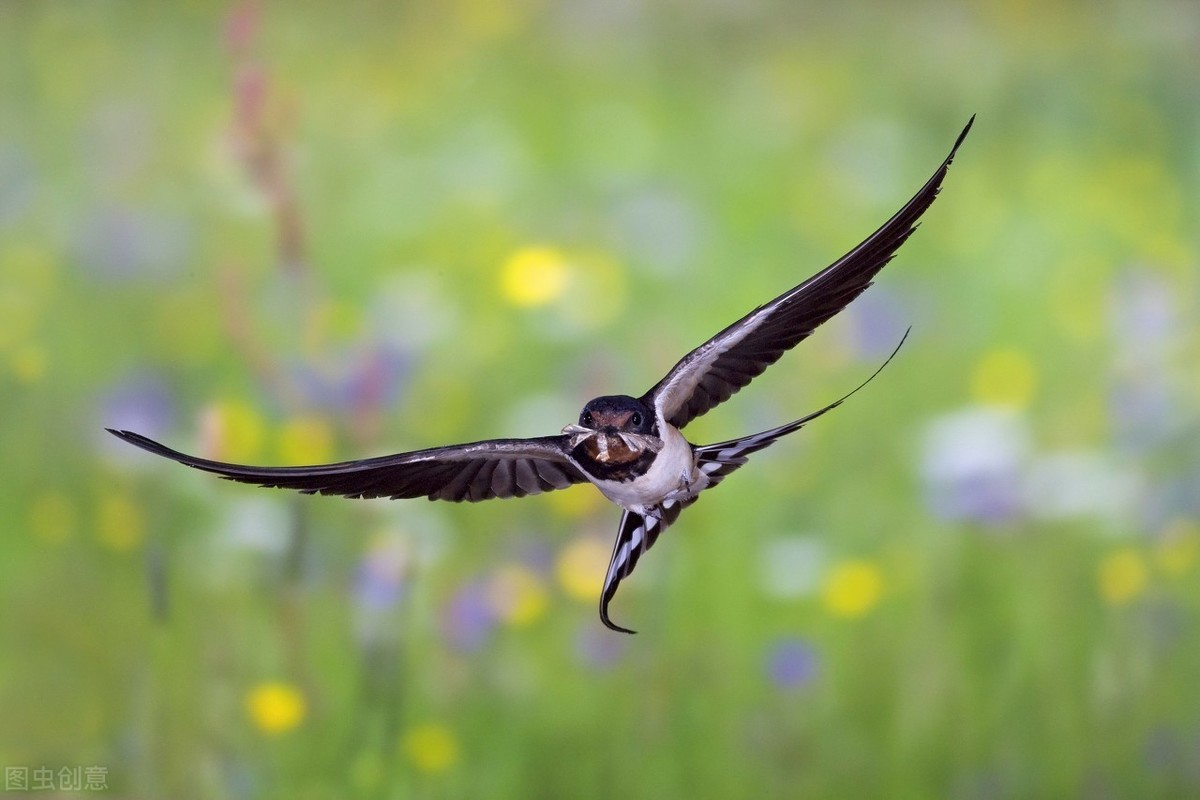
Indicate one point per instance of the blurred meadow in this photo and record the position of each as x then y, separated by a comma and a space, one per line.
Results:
301, 232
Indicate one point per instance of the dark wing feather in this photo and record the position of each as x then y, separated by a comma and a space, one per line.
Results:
471, 472
717, 369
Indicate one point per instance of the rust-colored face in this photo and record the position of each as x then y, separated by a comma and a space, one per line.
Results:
619, 426
614, 418
617, 413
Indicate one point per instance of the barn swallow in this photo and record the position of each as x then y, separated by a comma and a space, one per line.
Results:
630, 448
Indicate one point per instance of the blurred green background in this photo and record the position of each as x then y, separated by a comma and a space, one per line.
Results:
297, 232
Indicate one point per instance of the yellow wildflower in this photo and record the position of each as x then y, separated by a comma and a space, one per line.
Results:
580, 568
119, 523
236, 429
275, 707
1176, 553
517, 594
575, 501
852, 589
1122, 576
305, 440
431, 747
534, 276
1004, 377
29, 363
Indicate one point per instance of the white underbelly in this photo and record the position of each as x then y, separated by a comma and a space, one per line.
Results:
673, 474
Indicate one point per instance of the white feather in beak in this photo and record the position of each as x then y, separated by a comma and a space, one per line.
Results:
634, 441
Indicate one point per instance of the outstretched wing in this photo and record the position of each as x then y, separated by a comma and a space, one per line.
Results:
639, 532
471, 472
717, 369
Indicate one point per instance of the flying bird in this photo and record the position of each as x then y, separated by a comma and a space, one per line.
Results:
630, 448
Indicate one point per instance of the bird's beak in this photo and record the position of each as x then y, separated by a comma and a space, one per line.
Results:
634, 441
578, 434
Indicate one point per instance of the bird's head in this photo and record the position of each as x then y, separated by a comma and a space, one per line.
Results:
616, 428
617, 414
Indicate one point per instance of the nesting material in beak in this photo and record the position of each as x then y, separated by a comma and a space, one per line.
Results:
637, 442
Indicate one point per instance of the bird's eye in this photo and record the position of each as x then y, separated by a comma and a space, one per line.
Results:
587, 418
636, 419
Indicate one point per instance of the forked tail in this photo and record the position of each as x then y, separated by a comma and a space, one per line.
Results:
718, 460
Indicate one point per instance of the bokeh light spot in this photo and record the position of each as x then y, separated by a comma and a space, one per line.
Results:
792, 663
305, 440
29, 364
234, 431
575, 502
1122, 576
119, 523
534, 276
1004, 377
27, 278
580, 568
1179, 548
431, 747
517, 594
275, 707
852, 589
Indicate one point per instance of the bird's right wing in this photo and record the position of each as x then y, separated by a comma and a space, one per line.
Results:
471, 472
711, 373
638, 532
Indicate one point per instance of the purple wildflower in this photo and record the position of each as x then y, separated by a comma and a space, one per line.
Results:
973, 463
792, 663
468, 620
142, 402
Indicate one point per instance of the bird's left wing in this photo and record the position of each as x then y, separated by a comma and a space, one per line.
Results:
471, 472
712, 372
